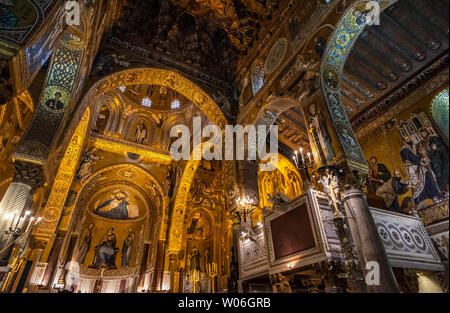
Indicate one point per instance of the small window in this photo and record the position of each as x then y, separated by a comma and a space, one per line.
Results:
175, 104
147, 102
122, 88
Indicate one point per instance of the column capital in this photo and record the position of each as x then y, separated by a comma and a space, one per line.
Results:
28, 173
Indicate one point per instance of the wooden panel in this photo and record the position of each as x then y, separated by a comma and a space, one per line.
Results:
292, 232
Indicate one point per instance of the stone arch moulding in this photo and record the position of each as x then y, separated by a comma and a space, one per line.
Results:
63, 180
166, 127
115, 104
153, 76
275, 107
339, 45
185, 87
180, 206
268, 113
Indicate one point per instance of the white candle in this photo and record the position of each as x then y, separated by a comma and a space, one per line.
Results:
30, 223
309, 156
13, 218
301, 152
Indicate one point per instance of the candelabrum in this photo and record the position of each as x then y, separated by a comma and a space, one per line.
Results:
16, 227
304, 165
194, 277
245, 208
17, 232
245, 211
212, 272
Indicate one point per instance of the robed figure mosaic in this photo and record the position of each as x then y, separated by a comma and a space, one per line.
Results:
378, 175
105, 251
55, 103
126, 248
392, 189
118, 208
421, 175
85, 245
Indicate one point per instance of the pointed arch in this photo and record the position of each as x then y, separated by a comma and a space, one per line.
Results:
340, 43
63, 181
179, 209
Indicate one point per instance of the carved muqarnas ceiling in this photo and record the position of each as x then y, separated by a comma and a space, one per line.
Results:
210, 34
412, 34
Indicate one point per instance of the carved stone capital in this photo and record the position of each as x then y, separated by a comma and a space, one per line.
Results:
29, 173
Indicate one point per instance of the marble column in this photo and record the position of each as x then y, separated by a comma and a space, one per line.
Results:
356, 230
344, 171
159, 266
233, 277
35, 255
367, 240
18, 198
174, 273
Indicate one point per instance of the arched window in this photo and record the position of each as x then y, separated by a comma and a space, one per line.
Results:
147, 102
439, 111
122, 89
258, 77
102, 120
175, 104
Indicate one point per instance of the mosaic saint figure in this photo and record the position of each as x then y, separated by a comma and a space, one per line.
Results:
420, 174
294, 181
85, 245
105, 251
434, 149
390, 190
379, 175
55, 103
349, 139
141, 132
207, 259
195, 259
126, 248
194, 223
321, 135
86, 166
188, 261
361, 16
439, 163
